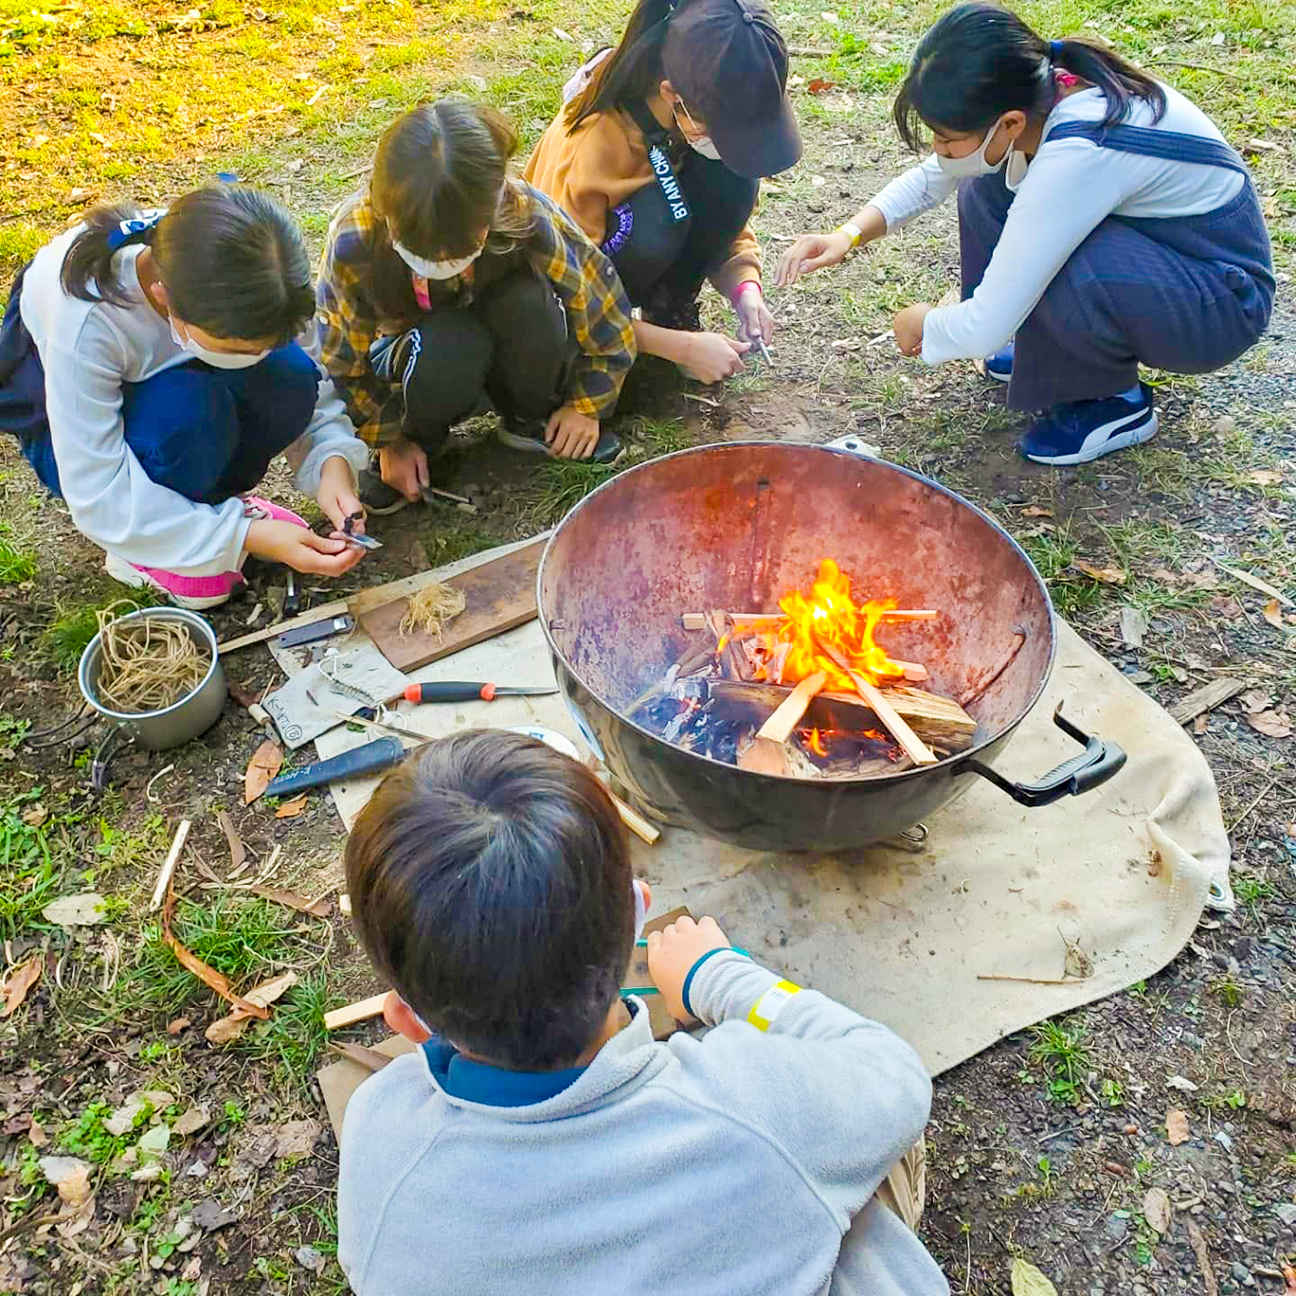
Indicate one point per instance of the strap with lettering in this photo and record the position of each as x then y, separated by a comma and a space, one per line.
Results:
655, 138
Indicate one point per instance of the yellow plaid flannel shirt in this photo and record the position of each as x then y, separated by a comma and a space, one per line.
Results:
598, 314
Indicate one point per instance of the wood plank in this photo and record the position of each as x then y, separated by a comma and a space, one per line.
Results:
694, 620
1206, 698
499, 595
169, 864
762, 756
639, 976
635, 821
360, 1011
778, 728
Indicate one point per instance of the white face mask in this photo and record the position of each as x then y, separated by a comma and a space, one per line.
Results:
435, 269
702, 144
217, 359
974, 164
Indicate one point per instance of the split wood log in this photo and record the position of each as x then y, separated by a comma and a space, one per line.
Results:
763, 756
1206, 698
761, 619
892, 722
694, 620
732, 659
778, 728
360, 1011
937, 720
745, 627
635, 821
169, 864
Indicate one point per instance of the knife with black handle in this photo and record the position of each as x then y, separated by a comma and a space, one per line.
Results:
370, 758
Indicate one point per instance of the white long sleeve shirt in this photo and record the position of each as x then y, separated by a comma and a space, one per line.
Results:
1071, 186
88, 350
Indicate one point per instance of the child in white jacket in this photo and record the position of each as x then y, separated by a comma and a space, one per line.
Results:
540, 1141
149, 371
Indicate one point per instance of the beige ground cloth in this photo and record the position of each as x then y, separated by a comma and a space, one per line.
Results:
901, 933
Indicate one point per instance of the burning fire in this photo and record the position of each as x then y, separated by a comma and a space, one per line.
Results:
829, 616
815, 742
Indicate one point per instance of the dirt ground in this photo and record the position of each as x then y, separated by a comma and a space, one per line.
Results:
1045, 1147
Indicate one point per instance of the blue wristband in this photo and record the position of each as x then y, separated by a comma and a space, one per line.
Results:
688, 980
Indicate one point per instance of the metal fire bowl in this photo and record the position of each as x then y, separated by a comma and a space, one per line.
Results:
193, 715
735, 526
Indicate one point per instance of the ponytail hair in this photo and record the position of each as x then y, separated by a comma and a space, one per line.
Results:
232, 259
632, 71
981, 61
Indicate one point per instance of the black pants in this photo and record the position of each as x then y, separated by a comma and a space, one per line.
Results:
509, 345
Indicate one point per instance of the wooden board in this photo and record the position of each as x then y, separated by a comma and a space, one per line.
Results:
637, 974
499, 596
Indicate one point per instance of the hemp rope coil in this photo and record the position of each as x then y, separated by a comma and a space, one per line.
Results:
146, 665
431, 608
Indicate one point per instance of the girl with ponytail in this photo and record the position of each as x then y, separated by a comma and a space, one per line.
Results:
1104, 223
149, 371
658, 153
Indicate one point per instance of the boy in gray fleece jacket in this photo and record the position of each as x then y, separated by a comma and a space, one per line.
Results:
540, 1142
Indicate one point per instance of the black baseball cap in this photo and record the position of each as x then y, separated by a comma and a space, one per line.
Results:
728, 60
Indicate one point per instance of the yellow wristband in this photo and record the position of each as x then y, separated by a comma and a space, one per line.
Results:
770, 1004
853, 230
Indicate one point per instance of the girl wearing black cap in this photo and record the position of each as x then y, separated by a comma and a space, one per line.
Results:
658, 153
1103, 223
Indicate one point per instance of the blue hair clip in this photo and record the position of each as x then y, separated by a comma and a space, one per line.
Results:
1055, 51
137, 225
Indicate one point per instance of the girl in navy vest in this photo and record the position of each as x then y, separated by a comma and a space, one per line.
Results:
148, 369
1103, 223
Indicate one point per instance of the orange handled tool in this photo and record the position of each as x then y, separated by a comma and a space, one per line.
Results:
467, 691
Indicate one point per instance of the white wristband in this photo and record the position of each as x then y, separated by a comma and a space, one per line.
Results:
854, 231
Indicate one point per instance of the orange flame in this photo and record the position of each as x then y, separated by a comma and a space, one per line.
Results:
815, 742
829, 616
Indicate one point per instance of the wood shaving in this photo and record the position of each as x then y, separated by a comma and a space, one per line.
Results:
147, 665
431, 609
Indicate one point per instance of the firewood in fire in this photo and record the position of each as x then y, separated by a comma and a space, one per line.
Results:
779, 726
764, 756
913, 746
745, 628
732, 659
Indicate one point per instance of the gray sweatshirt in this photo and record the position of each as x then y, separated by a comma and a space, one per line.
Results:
731, 1164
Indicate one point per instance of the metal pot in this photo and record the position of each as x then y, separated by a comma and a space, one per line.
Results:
735, 526
181, 721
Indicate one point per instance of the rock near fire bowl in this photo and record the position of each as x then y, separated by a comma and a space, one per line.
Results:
734, 527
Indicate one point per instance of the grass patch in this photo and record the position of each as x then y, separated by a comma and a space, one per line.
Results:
1053, 552
31, 866
1061, 1050
16, 565
295, 1036
458, 540
70, 633
560, 484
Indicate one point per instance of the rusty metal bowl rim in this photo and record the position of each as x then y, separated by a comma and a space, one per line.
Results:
949, 763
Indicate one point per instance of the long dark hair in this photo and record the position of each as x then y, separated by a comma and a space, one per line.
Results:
981, 61
490, 883
441, 176
232, 259
632, 71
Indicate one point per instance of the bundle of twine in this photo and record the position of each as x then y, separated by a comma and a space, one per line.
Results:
146, 665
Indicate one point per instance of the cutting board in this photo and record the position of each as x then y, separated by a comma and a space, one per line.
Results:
498, 595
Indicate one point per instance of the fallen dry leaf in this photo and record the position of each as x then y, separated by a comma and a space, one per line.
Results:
35, 815
1203, 1257
225, 1029
316, 908
1034, 510
291, 809
296, 1139
1176, 1127
175, 1027
263, 766
1201, 724
191, 1122
1273, 724
1156, 1210
819, 86
1273, 613
1254, 700
1028, 1281
1265, 477
206, 974
1107, 575
1227, 606
18, 981
1289, 1277
84, 910
75, 1219
36, 1132
238, 852
74, 1188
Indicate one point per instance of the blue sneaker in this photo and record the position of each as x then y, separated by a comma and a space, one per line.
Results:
1086, 430
999, 366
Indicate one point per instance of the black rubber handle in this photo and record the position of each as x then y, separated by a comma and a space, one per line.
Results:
448, 691
1093, 766
380, 754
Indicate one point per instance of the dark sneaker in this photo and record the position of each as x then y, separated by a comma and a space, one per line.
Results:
377, 497
999, 366
1086, 430
530, 439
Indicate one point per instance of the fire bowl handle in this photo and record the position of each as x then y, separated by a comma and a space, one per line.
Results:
1095, 765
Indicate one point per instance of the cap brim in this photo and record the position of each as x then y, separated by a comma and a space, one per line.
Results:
759, 148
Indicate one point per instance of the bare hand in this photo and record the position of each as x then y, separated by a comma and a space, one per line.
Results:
337, 497
301, 549
809, 253
754, 318
404, 467
672, 953
908, 325
571, 434
712, 357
